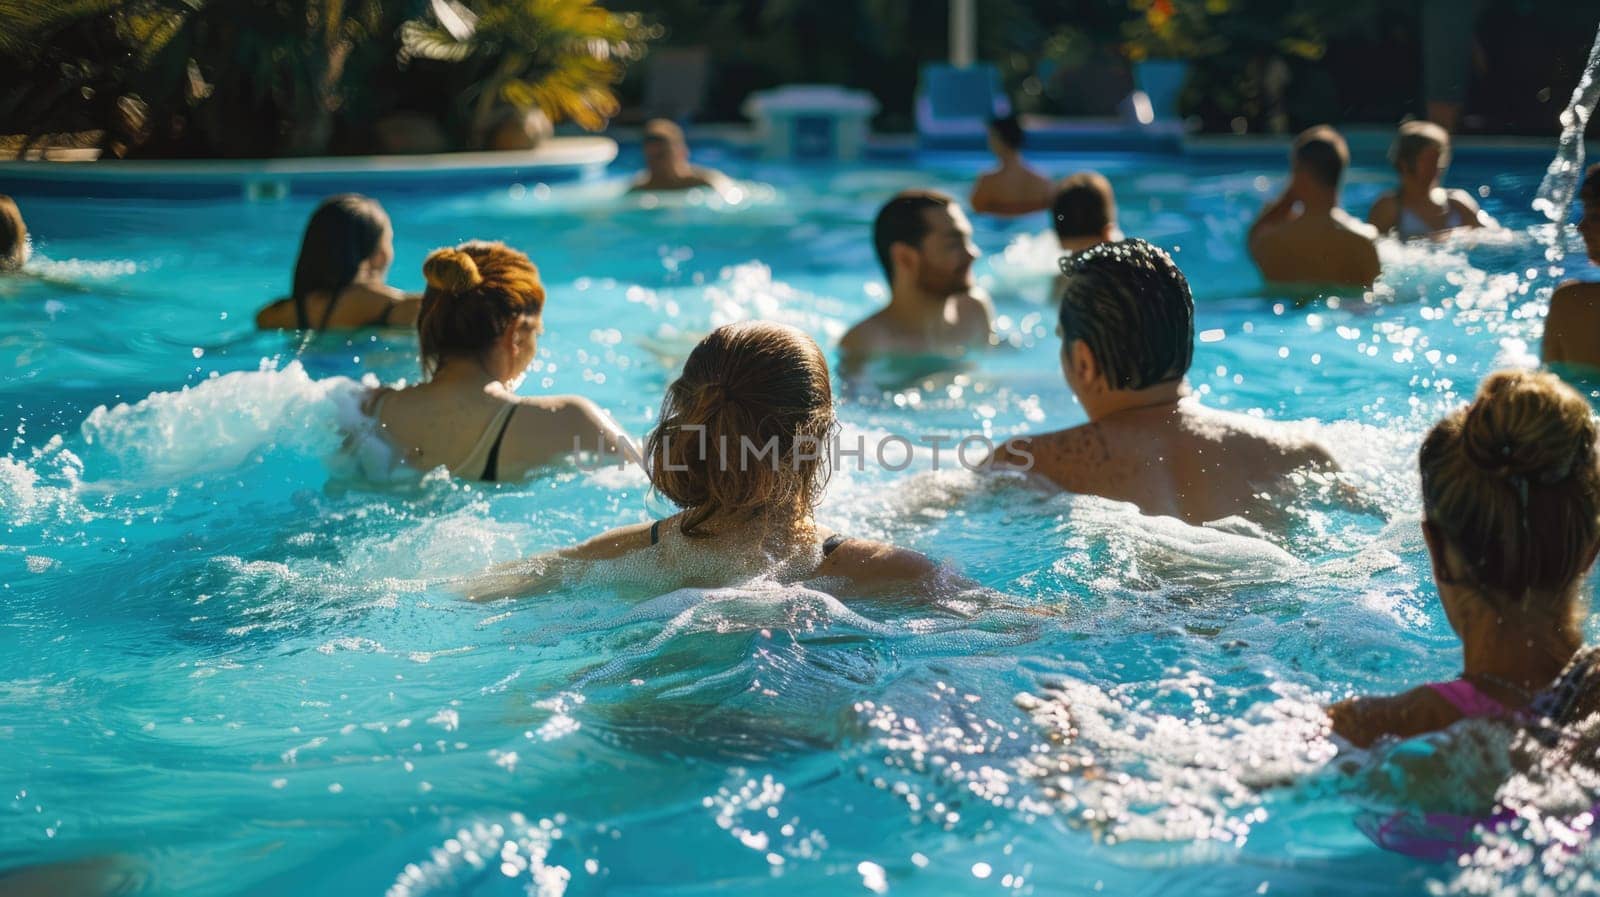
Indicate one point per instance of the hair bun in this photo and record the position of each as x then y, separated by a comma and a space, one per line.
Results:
451, 271
1526, 424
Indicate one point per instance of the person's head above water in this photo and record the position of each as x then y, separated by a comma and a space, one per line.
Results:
745, 428
484, 303
923, 240
665, 149
1005, 135
13, 236
1421, 153
347, 240
1589, 222
1126, 318
1319, 158
1511, 499
1084, 211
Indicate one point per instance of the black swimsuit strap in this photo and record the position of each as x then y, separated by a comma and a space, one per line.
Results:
333, 302
655, 532
302, 318
491, 467
832, 542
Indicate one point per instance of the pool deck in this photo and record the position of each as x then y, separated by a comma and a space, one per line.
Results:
557, 160
578, 158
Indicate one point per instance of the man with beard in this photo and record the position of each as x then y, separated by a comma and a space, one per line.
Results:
924, 244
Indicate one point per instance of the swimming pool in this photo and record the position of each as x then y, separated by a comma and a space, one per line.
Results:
221, 659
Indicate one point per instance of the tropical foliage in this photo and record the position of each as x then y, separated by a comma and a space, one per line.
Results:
294, 77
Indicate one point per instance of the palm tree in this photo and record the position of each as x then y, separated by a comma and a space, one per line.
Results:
561, 56
274, 77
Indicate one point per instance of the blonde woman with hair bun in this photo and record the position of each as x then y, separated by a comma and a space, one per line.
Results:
1511, 517
479, 326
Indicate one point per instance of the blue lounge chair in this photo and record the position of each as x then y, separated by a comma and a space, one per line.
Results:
954, 105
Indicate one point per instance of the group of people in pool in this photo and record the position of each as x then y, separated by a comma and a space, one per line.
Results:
1510, 483
1303, 236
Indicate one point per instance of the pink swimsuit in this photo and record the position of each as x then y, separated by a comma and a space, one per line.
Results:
1444, 837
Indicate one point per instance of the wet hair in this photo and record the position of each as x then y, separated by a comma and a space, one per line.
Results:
1084, 206
1008, 129
1589, 193
343, 232
1132, 307
752, 386
1512, 483
13, 235
476, 292
904, 219
1323, 152
1413, 138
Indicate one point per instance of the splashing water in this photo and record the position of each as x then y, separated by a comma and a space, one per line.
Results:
1561, 179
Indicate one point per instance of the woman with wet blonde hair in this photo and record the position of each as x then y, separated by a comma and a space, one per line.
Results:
1511, 517
479, 327
742, 449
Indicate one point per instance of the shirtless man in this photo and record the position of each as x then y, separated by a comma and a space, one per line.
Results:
1304, 236
1127, 339
666, 162
1014, 188
1572, 328
924, 243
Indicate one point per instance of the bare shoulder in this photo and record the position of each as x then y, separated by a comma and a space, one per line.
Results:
1362, 721
976, 305
1575, 295
871, 565
277, 315
865, 335
1385, 212
1072, 458
611, 544
1355, 226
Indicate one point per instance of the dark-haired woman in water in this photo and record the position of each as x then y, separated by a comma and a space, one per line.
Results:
479, 328
339, 276
742, 448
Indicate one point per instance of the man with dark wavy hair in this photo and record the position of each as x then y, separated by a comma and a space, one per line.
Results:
1127, 340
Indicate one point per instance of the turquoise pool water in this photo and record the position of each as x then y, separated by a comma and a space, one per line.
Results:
222, 663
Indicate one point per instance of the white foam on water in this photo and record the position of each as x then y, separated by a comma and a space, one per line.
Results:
1130, 773
220, 423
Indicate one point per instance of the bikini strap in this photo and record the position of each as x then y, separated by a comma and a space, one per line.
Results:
302, 317
1466, 698
655, 532
333, 302
832, 542
491, 467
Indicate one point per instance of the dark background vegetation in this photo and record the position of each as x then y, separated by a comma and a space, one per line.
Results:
1067, 57
241, 78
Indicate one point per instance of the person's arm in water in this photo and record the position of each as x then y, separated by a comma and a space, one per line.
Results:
548, 428
1362, 721
540, 572
1385, 214
278, 315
